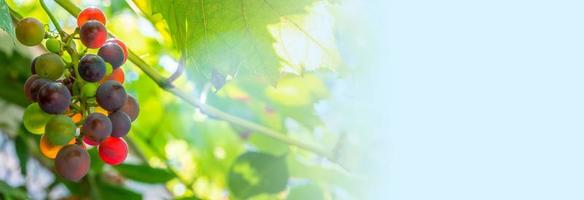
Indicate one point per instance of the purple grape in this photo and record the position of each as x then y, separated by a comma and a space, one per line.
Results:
131, 108
112, 53
97, 127
54, 98
72, 162
32, 68
120, 123
27, 85
91, 68
35, 87
111, 95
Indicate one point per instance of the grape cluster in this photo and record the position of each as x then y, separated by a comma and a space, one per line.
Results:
78, 101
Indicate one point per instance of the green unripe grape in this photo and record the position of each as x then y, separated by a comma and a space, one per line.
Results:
108, 69
54, 45
30, 31
89, 89
60, 129
35, 119
50, 66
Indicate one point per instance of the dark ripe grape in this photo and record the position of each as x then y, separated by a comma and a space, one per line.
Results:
91, 68
50, 66
112, 53
97, 127
131, 108
72, 162
111, 95
69, 82
32, 69
93, 34
121, 123
60, 129
113, 150
30, 31
35, 87
54, 98
27, 85
121, 44
90, 13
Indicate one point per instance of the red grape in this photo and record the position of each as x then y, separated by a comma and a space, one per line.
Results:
89, 141
93, 34
113, 150
90, 13
116, 75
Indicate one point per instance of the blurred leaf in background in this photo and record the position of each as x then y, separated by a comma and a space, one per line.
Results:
5, 19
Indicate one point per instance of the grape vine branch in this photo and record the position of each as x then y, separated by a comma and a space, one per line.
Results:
166, 84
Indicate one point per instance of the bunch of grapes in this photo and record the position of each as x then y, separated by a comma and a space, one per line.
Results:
78, 100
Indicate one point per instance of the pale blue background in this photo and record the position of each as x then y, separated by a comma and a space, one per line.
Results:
481, 99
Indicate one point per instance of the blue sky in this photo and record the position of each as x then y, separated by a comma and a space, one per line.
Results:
478, 99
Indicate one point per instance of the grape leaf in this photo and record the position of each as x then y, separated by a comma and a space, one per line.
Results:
109, 191
96, 162
21, 152
255, 173
5, 19
230, 36
144, 173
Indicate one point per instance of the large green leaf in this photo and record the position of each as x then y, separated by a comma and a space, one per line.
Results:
144, 173
255, 173
5, 19
227, 37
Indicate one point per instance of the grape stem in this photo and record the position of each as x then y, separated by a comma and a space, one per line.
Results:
207, 109
53, 19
